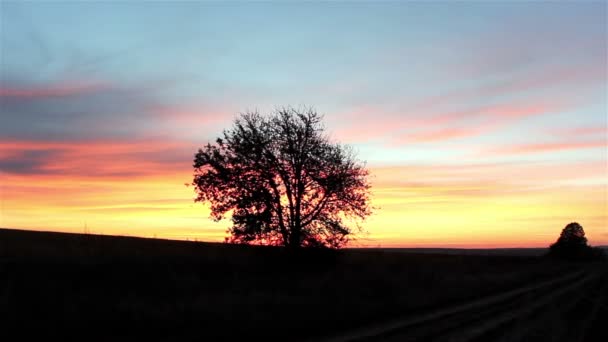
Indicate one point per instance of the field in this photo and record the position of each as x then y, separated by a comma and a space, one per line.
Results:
92, 287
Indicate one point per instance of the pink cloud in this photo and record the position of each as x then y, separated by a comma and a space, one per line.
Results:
580, 131
454, 125
501, 111
429, 125
490, 172
97, 159
67, 88
192, 114
447, 133
540, 80
95, 146
547, 147
366, 123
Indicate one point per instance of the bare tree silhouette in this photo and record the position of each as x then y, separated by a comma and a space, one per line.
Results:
283, 181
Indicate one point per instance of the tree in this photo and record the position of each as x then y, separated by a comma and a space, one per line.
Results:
572, 244
284, 182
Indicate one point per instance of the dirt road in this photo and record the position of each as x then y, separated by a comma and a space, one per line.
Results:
572, 307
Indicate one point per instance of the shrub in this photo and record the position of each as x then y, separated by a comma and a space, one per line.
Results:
572, 245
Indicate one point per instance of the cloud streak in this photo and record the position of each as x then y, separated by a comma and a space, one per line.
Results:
399, 130
547, 147
70, 88
97, 159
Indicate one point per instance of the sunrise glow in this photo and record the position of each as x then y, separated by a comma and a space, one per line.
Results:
483, 125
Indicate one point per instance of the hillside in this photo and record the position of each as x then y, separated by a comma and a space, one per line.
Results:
97, 287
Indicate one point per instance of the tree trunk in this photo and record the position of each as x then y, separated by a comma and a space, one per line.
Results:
294, 238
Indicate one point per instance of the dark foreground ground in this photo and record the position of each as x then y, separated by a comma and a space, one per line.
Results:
89, 287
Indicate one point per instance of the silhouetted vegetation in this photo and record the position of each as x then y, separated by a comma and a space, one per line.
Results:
283, 181
572, 245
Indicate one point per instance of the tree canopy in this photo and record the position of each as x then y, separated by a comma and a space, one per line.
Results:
283, 181
572, 244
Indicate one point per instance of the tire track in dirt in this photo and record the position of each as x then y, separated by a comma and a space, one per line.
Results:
471, 320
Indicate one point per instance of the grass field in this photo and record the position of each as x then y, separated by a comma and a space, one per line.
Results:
60, 285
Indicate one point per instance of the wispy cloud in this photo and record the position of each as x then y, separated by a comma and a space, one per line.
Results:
97, 159
66, 88
581, 131
546, 147
427, 127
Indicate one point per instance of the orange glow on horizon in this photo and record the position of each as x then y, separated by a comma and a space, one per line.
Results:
440, 211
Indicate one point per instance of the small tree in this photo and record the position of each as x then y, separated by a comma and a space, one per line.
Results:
573, 234
283, 181
572, 244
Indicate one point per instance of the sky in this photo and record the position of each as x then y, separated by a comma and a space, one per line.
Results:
483, 124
